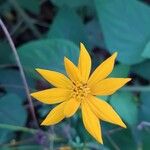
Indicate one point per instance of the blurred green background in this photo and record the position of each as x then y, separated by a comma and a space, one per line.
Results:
44, 31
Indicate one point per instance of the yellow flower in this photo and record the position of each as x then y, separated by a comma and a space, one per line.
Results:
81, 89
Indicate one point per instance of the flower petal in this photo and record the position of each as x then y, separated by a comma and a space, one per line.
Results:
55, 78
109, 86
103, 70
84, 63
72, 71
71, 107
55, 115
91, 122
52, 96
104, 111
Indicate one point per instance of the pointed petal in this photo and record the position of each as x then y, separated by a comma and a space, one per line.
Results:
56, 115
55, 78
91, 122
52, 96
109, 86
84, 63
71, 107
72, 71
104, 111
103, 70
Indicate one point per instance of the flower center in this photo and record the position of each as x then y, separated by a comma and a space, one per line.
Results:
80, 91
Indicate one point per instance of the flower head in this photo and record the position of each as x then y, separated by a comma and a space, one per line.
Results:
80, 89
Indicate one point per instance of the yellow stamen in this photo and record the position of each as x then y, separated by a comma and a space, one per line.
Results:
80, 91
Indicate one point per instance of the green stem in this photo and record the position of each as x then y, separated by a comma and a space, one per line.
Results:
136, 88
17, 128
27, 20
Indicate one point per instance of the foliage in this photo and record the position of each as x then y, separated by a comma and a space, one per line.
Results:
46, 31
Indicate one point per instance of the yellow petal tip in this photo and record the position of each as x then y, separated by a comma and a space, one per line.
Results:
65, 59
42, 124
38, 69
32, 94
123, 125
81, 44
129, 79
82, 47
115, 54
100, 141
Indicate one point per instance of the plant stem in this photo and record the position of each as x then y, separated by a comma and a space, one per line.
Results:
27, 20
143, 124
18, 128
115, 146
136, 88
21, 71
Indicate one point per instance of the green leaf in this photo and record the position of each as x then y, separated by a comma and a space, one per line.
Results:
120, 71
47, 54
5, 135
10, 80
30, 5
94, 35
124, 140
142, 69
71, 3
145, 140
11, 112
144, 113
124, 103
125, 26
4, 7
5, 53
67, 25
146, 52
17, 128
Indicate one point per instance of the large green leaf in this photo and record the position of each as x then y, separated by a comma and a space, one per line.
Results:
125, 25
124, 103
11, 112
47, 54
71, 3
10, 80
68, 25
144, 112
94, 35
30, 5
142, 69
124, 140
5, 135
145, 140
4, 7
146, 52
5, 52
120, 71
